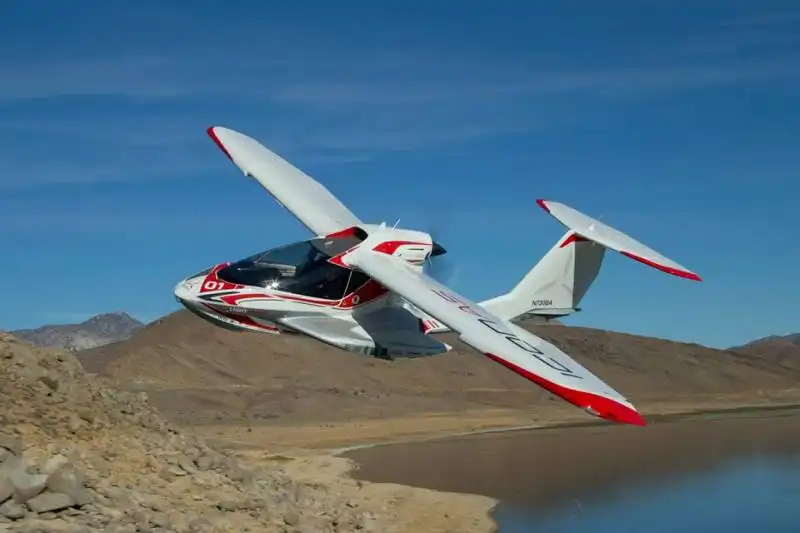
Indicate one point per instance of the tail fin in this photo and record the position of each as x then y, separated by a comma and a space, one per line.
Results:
560, 280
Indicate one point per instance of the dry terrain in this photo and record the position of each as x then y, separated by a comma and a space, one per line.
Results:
201, 375
784, 352
255, 418
77, 455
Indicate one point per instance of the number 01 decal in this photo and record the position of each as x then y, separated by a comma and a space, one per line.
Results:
212, 285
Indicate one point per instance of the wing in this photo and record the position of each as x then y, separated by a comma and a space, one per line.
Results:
503, 342
307, 199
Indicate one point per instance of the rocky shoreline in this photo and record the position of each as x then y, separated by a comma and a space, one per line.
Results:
80, 456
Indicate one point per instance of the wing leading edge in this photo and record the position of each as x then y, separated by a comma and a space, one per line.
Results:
314, 205
515, 348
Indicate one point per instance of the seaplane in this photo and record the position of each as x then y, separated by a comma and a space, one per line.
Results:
364, 287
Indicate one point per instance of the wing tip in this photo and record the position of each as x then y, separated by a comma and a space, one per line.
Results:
595, 404
686, 274
213, 134
619, 413
543, 204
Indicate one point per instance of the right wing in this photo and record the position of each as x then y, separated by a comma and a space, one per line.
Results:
505, 343
306, 198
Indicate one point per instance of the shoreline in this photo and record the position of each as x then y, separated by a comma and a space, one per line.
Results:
411, 507
658, 419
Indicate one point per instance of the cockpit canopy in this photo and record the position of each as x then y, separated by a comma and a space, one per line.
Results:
301, 268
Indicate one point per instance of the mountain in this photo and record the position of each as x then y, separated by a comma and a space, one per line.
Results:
97, 331
780, 350
792, 338
193, 370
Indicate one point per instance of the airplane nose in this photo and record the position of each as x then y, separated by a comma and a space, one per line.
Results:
183, 291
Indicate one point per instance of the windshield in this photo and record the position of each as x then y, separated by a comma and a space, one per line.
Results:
300, 268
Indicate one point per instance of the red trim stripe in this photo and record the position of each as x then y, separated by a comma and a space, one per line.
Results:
599, 405
669, 270
213, 135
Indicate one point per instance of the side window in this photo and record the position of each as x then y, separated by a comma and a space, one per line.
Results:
358, 279
323, 280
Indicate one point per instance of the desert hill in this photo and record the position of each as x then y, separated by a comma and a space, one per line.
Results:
196, 370
782, 351
96, 331
792, 338
77, 455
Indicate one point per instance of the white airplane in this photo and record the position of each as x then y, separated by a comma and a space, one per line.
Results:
362, 287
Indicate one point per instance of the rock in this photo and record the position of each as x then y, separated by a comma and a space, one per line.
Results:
12, 510
49, 502
27, 486
111, 463
54, 463
187, 465
120, 528
228, 506
10, 444
6, 488
67, 480
200, 525
205, 462
161, 520
291, 518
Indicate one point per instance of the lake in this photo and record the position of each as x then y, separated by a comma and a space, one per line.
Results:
703, 474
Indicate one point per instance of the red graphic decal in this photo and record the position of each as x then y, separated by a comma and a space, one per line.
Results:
368, 292
390, 247
573, 237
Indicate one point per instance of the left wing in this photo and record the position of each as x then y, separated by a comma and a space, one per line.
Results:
515, 348
307, 199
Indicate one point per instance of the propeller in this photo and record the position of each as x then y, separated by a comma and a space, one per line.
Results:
439, 265
443, 269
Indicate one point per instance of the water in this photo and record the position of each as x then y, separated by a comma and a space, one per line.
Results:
746, 495
727, 475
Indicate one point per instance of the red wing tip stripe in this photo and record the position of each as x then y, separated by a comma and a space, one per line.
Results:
573, 237
543, 204
597, 405
213, 135
669, 270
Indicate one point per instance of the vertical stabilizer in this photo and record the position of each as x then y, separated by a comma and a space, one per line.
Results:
558, 282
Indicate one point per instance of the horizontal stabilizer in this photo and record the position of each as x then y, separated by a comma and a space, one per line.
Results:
594, 230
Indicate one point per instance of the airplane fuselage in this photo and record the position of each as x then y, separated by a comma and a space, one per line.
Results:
305, 288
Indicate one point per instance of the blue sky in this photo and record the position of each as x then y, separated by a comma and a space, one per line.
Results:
678, 125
